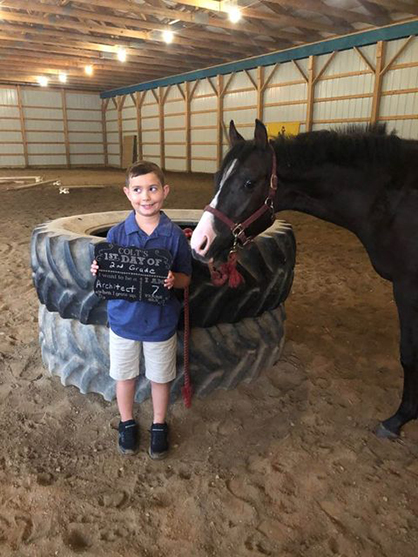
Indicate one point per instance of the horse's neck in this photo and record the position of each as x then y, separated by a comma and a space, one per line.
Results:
341, 198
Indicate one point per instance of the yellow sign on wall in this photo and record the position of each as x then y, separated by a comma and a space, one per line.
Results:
282, 128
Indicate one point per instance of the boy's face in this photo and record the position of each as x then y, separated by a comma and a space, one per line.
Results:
146, 194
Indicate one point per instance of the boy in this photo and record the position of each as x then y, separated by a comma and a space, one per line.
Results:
136, 324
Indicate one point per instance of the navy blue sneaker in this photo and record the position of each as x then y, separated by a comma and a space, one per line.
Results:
128, 437
159, 446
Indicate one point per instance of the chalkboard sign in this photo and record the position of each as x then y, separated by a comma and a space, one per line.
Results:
132, 274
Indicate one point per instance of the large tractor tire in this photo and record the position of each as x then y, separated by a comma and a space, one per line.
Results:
221, 356
62, 251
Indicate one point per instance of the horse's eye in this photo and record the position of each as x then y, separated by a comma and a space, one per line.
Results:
249, 184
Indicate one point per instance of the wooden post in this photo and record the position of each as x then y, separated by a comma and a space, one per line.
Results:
65, 119
260, 92
219, 124
139, 100
22, 125
162, 131
378, 78
188, 100
310, 100
119, 106
104, 131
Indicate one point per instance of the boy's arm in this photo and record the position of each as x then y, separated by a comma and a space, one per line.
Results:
177, 280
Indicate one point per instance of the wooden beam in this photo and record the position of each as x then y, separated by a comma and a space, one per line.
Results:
325, 66
365, 59
105, 103
65, 121
398, 53
188, 100
161, 122
311, 89
220, 118
378, 76
22, 125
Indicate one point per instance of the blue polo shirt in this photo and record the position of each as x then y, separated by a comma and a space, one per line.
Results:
146, 321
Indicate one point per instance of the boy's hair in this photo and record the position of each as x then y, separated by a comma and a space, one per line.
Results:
144, 167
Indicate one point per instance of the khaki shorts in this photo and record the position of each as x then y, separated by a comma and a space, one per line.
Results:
125, 354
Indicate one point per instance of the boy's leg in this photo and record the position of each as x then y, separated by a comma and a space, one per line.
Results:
124, 368
160, 399
160, 365
125, 394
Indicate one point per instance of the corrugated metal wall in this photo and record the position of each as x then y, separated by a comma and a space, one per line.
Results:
50, 128
183, 126
317, 92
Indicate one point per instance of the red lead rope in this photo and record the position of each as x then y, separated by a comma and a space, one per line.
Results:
226, 272
186, 390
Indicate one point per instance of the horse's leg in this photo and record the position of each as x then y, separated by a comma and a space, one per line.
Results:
406, 297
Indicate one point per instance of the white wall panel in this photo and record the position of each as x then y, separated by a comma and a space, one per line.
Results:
150, 124
41, 148
128, 112
75, 137
204, 87
240, 116
11, 124
45, 98
111, 126
47, 160
113, 160
402, 78
151, 136
203, 135
350, 108
203, 151
291, 113
204, 119
410, 54
151, 150
9, 112
241, 98
404, 128
203, 166
83, 100
8, 96
86, 115
175, 151
129, 127
86, 148
85, 127
87, 159
175, 165
11, 160
178, 135
37, 136
150, 109
175, 106
43, 113
204, 103
49, 126
6, 149
399, 105
10, 136
174, 94
286, 93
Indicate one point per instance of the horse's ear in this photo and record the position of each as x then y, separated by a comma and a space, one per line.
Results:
234, 136
260, 134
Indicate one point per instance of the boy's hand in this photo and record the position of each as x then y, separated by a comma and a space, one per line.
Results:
169, 281
94, 268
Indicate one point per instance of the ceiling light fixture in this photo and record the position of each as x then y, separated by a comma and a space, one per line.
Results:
168, 36
234, 14
62, 77
121, 55
43, 81
89, 69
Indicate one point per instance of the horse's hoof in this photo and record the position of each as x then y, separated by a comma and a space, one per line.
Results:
384, 433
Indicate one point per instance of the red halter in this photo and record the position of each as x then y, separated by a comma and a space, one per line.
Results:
238, 229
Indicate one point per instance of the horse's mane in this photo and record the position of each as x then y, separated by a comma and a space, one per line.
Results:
351, 145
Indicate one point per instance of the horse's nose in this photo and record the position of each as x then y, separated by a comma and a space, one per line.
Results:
202, 236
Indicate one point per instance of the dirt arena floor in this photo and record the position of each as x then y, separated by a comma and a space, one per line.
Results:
287, 466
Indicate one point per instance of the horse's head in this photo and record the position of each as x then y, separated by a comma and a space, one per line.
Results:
243, 191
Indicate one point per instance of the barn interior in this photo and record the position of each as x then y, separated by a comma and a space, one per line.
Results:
287, 464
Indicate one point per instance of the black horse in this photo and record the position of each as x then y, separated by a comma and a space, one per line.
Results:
364, 180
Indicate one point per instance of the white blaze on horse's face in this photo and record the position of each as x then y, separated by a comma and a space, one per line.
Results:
204, 233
